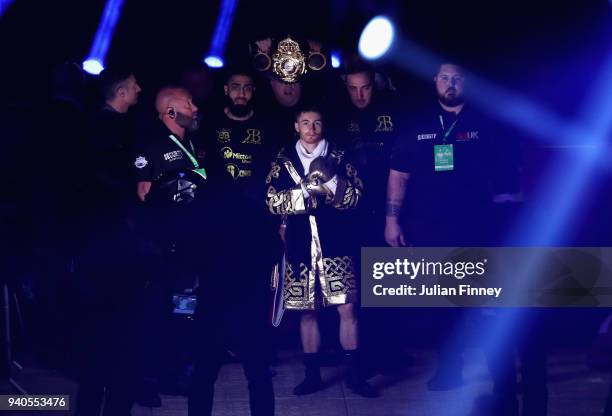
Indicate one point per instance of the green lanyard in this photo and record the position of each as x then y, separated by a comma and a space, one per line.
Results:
450, 129
197, 169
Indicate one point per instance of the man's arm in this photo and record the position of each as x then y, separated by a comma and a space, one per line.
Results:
396, 190
143, 189
144, 172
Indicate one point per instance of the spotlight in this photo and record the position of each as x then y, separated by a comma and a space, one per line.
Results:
376, 38
4, 4
335, 59
93, 66
224, 23
213, 62
110, 16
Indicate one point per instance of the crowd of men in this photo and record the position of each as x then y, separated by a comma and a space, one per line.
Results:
211, 203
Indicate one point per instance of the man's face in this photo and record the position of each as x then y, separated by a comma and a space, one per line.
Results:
129, 91
360, 89
286, 94
449, 85
239, 89
309, 127
186, 112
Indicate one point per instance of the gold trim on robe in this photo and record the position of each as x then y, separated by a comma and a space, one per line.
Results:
336, 275
290, 201
338, 285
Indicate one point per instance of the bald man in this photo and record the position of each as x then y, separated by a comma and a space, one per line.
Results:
169, 149
165, 148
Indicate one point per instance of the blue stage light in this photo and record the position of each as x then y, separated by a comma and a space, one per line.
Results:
336, 61
4, 4
224, 23
104, 34
93, 66
376, 38
213, 61
554, 221
561, 190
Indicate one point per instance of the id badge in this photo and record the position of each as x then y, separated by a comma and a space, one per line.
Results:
443, 157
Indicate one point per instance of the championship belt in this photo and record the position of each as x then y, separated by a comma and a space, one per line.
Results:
262, 61
316, 60
288, 62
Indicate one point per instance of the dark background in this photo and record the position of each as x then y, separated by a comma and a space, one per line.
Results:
551, 52
548, 49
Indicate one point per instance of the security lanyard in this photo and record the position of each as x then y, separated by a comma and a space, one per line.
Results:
444, 155
447, 133
194, 161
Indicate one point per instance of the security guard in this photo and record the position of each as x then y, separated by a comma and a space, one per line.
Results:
452, 166
169, 148
165, 165
450, 163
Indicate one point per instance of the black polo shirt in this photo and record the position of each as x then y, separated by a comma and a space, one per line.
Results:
485, 162
156, 153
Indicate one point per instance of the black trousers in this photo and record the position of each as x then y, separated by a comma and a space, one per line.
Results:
219, 330
232, 309
108, 370
528, 340
109, 307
